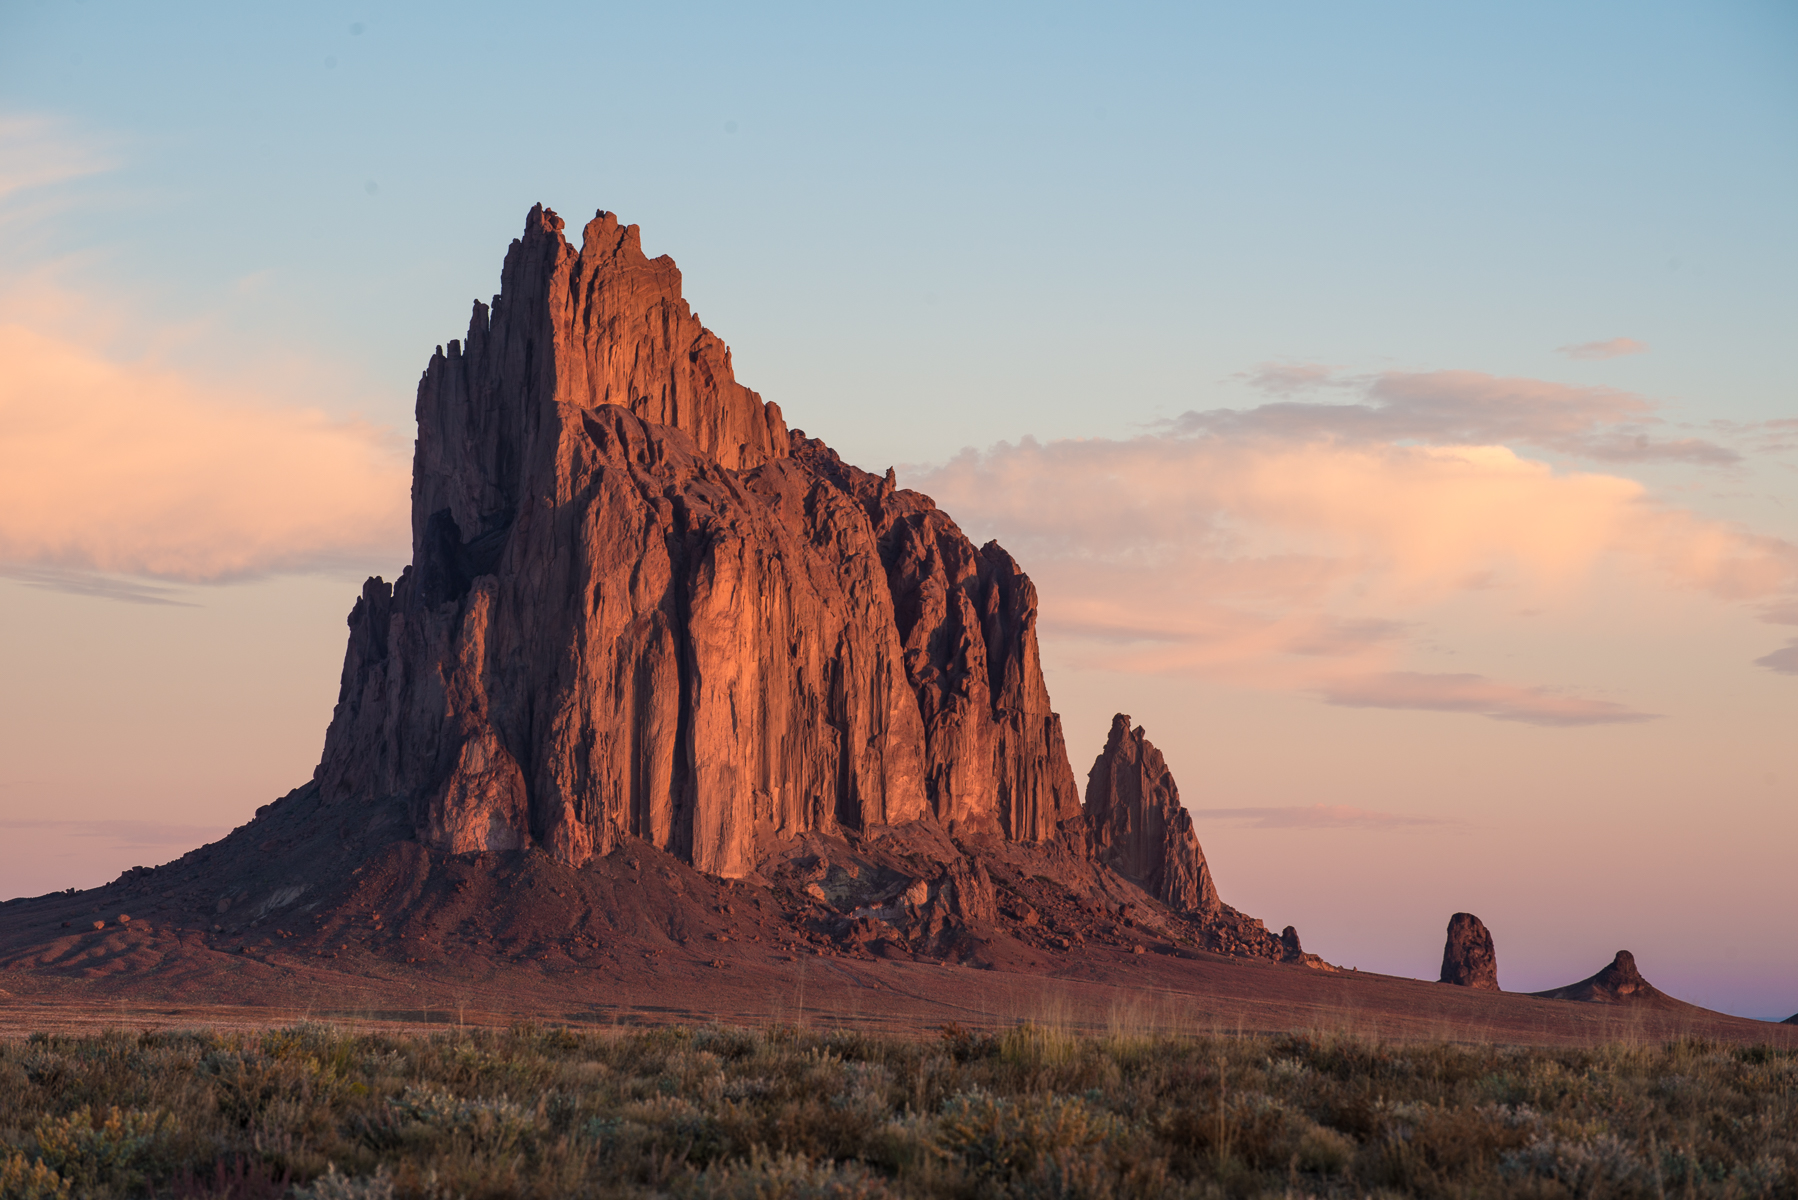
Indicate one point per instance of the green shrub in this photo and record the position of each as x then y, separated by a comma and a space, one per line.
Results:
118, 1151
20, 1180
1001, 1138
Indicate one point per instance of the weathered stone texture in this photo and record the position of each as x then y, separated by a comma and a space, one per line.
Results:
637, 605
1468, 956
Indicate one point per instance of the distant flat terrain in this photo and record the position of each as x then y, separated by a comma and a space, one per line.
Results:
1168, 993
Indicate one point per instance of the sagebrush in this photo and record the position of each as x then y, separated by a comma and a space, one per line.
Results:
312, 1111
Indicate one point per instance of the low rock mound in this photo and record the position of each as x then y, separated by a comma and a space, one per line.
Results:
1468, 957
1619, 983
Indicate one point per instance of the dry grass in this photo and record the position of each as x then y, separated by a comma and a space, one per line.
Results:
1035, 1111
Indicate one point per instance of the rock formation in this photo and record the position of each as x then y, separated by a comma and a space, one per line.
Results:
1139, 827
639, 605
1619, 983
1468, 957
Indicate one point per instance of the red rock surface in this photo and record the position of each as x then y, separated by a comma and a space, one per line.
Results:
639, 607
1468, 956
1139, 827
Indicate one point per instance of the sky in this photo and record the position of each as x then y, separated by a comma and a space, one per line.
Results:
1394, 404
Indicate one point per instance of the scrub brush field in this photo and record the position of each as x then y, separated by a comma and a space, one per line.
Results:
1029, 1111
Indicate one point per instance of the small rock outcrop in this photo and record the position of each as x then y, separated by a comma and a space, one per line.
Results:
1619, 983
639, 605
1468, 957
1139, 827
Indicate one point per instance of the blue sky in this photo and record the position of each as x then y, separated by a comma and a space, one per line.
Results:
940, 197
925, 229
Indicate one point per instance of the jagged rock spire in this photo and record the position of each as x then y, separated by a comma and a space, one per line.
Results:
639, 606
1139, 827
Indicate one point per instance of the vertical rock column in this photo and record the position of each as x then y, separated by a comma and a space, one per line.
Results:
1468, 958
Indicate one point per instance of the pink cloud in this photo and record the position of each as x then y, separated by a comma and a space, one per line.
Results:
131, 469
1614, 348
1320, 566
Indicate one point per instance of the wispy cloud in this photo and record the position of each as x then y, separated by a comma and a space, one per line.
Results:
1457, 408
1465, 693
1783, 660
1781, 614
1614, 348
1314, 816
40, 151
89, 583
